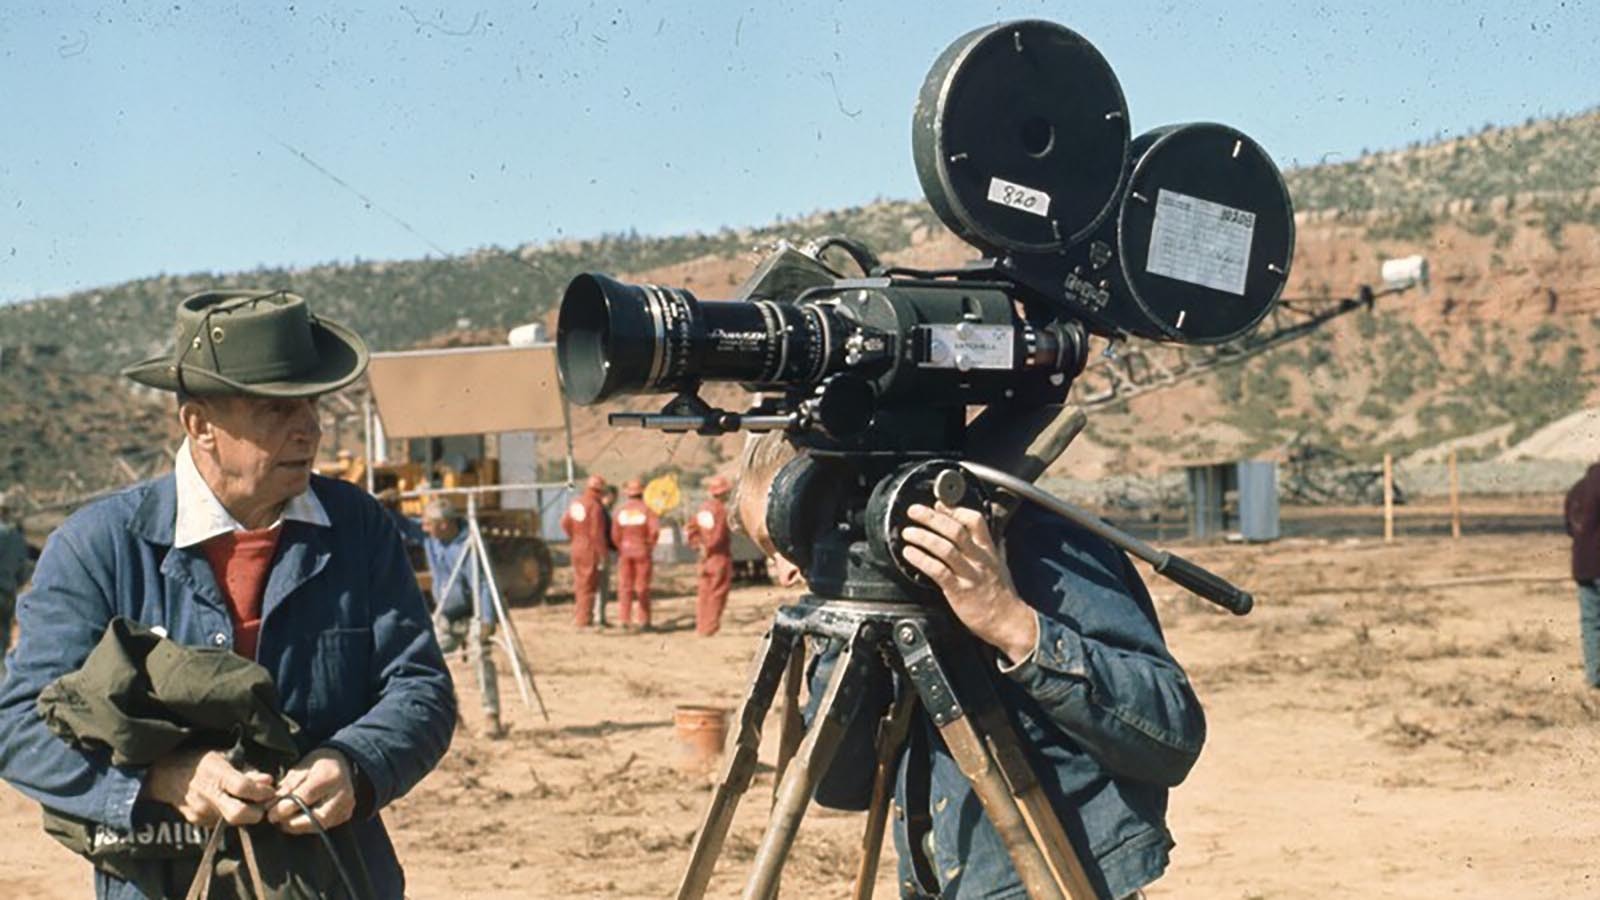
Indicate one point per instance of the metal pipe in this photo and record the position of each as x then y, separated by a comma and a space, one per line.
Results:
1200, 581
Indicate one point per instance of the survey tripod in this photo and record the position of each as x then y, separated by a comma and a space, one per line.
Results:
941, 663
474, 564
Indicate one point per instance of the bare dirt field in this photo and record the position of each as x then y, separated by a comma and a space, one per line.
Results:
1394, 721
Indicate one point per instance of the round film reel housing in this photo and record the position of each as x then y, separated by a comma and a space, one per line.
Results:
925, 482
1020, 137
1205, 235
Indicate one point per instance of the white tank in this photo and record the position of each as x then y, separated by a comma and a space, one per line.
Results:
527, 335
1405, 272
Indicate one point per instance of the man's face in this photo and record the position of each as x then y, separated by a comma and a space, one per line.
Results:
759, 465
439, 528
263, 447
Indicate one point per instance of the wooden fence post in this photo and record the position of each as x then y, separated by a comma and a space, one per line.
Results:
1388, 498
1455, 498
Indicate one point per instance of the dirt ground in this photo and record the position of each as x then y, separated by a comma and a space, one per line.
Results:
1394, 721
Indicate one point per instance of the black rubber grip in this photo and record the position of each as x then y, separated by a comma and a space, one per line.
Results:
1206, 584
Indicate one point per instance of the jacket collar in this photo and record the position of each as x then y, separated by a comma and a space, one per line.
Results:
156, 518
200, 516
303, 550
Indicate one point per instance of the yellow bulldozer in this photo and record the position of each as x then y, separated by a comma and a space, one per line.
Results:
466, 424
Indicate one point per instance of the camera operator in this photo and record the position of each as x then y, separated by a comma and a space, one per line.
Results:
1107, 717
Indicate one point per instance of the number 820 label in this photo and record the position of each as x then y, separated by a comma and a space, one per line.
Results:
1018, 197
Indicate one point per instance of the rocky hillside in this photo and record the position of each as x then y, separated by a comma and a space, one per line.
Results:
401, 304
1502, 344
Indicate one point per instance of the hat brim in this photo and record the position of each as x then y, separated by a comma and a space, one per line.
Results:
341, 358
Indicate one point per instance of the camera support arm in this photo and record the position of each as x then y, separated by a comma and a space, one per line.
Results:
1197, 579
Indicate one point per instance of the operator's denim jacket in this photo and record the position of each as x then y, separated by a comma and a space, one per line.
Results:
1108, 717
343, 633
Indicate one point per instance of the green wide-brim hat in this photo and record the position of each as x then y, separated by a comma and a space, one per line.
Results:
254, 344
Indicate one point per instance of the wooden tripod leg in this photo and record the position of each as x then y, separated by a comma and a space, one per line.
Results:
1041, 819
1003, 811
1044, 871
791, 727
891, 737
839, 704
739, 764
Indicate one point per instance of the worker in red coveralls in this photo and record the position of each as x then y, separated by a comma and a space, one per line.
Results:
708, 531
634, 529
585, 525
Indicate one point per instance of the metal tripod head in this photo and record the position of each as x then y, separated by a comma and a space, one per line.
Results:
838, 516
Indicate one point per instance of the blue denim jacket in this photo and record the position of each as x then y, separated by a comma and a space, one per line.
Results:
1107, 716
343, 633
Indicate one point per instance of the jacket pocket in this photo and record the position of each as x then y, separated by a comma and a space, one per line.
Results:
342, 679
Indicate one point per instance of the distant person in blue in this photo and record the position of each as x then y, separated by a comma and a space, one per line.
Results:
443, 538
14, 569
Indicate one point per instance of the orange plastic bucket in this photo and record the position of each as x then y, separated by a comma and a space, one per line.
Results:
701, 732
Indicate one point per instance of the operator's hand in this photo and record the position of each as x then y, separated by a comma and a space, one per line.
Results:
323, 781
204, 788
388, 496
953, 546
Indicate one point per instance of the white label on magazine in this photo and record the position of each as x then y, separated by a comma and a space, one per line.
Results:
1201, 242
1018, 197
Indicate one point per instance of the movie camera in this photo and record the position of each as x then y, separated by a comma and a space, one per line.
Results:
1022, 145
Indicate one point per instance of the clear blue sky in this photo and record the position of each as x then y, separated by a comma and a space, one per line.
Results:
138, 137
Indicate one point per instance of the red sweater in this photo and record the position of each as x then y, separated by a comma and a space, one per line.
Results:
241, 561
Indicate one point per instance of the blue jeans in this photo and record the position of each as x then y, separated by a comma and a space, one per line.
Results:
1589, 630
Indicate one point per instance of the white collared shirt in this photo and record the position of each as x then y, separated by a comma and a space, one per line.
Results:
201, 516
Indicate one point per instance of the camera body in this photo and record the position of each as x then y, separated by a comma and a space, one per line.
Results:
882, 363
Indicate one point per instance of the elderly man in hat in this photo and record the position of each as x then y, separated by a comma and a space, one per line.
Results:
457, 621
585, 525
634, 530
708, 532
242, 547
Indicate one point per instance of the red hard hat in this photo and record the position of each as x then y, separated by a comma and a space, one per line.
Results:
633, 488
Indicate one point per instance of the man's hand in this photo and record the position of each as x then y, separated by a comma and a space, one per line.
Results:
322, 780
953, 547
204, 787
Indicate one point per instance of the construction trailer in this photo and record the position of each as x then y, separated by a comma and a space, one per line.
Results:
473, 418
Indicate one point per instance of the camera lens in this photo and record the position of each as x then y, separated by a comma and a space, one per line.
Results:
616, 338
611, 336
